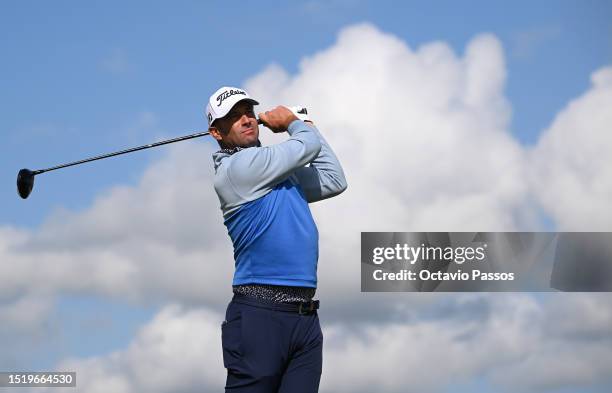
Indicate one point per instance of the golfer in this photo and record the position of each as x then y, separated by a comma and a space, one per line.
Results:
271, 337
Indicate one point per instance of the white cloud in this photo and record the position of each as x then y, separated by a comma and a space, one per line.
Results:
573, 334
422, 133
25, 328
160, 240
27, 311
572, 169
428, 354
512, 343
178, 351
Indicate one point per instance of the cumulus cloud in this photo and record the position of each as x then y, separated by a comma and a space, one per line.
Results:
422, 132
178, 351
572, 169
160, 240
573, 334
25, 328
512, 343
423, 137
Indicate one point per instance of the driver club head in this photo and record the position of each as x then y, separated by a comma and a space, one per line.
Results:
25, 182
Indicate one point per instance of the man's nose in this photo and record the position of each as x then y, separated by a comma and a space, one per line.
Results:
245, 119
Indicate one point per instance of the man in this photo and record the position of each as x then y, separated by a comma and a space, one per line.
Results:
271, 337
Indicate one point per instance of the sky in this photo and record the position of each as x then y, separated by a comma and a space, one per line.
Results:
446, 116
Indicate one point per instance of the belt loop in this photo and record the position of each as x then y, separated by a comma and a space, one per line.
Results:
310, 307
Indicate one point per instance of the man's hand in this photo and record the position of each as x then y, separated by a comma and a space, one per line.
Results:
278, 119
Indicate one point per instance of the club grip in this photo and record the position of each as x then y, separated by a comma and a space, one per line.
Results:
299, 111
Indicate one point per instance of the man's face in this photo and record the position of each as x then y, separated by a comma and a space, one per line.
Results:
238, 128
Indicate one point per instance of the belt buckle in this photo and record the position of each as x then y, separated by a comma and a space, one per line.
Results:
306, 308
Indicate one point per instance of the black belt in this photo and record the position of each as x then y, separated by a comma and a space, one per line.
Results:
302, 308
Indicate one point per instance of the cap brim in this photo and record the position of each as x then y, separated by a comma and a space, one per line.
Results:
252, 101
249, 100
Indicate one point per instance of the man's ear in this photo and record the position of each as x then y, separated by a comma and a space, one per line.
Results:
214, 131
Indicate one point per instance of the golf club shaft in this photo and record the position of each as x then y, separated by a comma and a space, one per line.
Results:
181, 138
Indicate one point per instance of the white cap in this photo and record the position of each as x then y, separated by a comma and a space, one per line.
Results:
223, 100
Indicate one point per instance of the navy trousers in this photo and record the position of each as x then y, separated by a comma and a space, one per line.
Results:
266, 351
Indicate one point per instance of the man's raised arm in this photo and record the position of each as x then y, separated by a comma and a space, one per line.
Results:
324, 178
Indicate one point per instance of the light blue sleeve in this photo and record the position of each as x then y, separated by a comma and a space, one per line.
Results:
254, 172
324, 178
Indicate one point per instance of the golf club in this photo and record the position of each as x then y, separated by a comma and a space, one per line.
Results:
25, 177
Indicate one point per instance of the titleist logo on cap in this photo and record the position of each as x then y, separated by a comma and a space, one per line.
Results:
227, 94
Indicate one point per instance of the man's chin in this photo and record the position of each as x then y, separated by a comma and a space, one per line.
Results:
250, 143
253, 142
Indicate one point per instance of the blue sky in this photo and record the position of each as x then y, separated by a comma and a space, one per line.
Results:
81, 79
